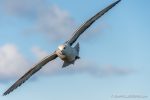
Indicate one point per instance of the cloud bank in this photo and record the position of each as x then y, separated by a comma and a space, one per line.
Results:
46, 18
12, 62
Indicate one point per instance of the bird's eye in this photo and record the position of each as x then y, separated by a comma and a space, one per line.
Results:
64, 47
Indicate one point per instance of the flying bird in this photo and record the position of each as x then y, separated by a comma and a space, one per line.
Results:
65, 52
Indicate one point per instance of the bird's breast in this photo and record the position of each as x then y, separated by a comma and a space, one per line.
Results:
66, 55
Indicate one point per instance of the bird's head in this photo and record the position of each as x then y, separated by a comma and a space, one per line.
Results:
62, 48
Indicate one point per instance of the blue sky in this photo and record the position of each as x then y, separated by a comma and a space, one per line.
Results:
114, 51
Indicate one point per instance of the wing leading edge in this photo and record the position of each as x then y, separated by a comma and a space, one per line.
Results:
33, 70
88, 23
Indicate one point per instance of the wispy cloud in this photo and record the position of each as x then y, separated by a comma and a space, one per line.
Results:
13, 65
46, 17
81, 66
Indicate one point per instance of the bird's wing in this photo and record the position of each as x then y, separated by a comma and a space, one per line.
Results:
88, 23
33, 70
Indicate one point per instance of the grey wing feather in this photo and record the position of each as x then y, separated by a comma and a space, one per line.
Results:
33, 70
88, 23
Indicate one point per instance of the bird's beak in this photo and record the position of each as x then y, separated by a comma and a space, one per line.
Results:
62, 52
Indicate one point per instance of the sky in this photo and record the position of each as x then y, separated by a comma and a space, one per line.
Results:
114, 51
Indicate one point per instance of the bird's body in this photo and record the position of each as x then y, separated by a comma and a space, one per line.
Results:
65, 51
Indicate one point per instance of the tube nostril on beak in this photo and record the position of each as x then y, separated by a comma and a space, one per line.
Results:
62, 52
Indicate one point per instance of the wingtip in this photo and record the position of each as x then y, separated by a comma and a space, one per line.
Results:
118, 0
4, 94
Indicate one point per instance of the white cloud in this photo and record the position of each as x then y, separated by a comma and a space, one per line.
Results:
12, 62
38, 52
55, 21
